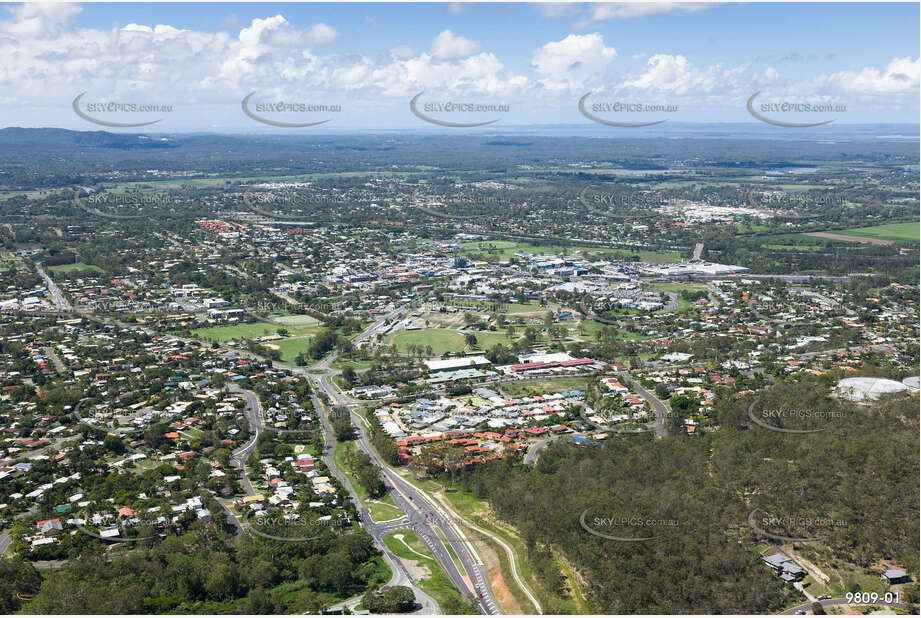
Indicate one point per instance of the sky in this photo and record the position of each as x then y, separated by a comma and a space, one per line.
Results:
188, 67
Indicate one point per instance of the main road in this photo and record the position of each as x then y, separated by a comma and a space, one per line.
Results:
59, 300
423, 516
400, 576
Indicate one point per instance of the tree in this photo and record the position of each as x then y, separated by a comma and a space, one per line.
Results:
470, 339
342, 425
817, 609
17, 577
349, 375
113, 444
390, 600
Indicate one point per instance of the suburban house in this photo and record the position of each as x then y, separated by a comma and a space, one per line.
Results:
784, 566
895, 576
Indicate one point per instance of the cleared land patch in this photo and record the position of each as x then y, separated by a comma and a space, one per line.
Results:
441, 340
890, 231
846, 238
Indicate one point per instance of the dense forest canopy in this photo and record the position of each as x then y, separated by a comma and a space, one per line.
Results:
854, 487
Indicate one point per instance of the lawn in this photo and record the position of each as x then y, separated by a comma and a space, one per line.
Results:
593, 330
298, 320
441, 340
10, 261
487, 339
890, 231
381, 510
506, 249
79, 266
541, 386
342, 363
291, 347
406, 545
233, 332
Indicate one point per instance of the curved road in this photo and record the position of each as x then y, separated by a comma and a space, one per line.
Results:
660, 408
409, 498
399, 577
253, 412
423, 516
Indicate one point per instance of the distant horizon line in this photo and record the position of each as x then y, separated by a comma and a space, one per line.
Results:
494, 130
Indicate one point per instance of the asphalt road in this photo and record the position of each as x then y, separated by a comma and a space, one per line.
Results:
407, 497
399, 574
253, 413
533, 453
422, 516
54, 290
5, 541
660, 408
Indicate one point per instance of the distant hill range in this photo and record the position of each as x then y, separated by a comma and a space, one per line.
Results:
55, 139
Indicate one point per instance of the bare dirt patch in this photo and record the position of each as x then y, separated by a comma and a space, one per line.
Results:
812, 569
847, 238
416, 571
497, 584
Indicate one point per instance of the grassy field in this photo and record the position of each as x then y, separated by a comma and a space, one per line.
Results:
539, 387
510, 308
291, 347
441, 340
487, 339
406, 545
794, 247
891, 231
381, 510
298, 320
67, 268
10, 261
232, 332
506, 249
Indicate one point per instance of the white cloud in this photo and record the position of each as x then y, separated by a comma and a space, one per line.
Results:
278, 31
597, 13
572, 62
479, 74
38, 19
46, 57
352, 76
449, 46
674, 74
553, 10
901, 76
402, 52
